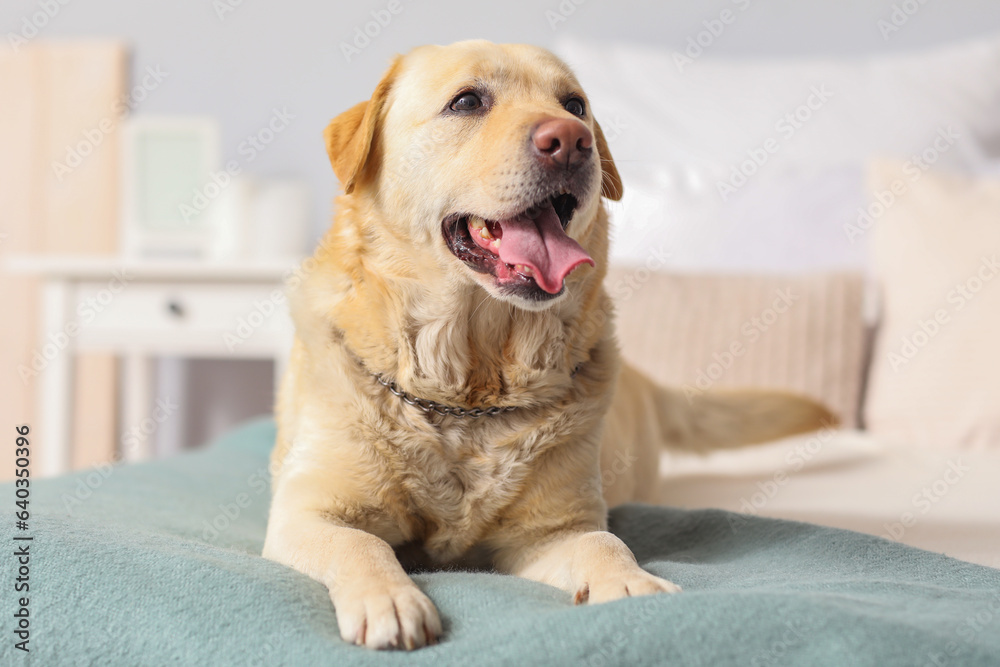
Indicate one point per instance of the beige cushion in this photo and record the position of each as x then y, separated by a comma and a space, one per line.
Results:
801, 333
935, 369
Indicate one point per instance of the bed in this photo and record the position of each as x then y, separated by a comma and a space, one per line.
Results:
944, 500
159, 563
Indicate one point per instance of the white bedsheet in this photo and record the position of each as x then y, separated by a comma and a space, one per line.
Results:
941, 500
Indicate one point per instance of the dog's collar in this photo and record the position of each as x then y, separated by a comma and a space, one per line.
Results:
429, 406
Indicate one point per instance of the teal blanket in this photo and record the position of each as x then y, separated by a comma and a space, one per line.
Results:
158, 564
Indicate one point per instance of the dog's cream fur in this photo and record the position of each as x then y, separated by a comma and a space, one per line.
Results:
360, 477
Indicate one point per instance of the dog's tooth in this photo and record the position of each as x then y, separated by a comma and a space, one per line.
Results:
496, 244
479, 225
524, 269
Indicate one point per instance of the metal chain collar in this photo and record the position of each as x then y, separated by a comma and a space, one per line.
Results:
431, 406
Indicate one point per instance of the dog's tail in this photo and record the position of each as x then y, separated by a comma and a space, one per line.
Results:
701, 421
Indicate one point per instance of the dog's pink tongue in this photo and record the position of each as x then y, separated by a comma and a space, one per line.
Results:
542, 244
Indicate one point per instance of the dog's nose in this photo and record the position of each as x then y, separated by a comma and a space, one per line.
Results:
562, 142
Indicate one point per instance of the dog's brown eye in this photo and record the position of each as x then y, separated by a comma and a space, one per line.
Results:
466, 102
574, 105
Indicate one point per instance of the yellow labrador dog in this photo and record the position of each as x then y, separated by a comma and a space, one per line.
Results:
454, 386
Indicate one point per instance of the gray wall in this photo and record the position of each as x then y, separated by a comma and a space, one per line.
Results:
264, 55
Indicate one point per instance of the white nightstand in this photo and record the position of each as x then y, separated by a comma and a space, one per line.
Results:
142, 309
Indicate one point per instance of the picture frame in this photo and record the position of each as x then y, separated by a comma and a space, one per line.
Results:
172, 187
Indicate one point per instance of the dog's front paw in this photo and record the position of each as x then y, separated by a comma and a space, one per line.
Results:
386, 616
631, 583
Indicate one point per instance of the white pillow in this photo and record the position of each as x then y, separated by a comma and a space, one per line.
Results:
790, 221
690, 138
699, 123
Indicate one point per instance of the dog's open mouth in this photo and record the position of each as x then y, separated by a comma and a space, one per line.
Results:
529, 254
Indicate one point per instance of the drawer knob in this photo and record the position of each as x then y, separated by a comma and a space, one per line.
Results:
175, 308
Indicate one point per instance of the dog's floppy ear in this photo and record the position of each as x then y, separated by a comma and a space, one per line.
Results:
349, 136
611, 182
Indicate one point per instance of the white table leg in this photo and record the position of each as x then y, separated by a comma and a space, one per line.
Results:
55, 382
139, 423
171, 384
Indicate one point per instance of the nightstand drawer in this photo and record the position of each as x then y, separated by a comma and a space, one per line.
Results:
190, 316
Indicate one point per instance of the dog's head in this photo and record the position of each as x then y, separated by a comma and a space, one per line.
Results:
486, 159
